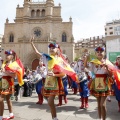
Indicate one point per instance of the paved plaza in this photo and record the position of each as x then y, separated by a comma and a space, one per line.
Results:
27, 109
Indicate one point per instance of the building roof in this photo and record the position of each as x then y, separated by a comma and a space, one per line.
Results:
111, 37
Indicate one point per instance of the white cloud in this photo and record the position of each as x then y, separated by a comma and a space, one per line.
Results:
82, 29
92, 24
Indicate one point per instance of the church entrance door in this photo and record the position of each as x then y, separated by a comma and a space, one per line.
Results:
35, 63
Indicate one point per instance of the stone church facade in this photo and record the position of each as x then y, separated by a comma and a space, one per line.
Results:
42, 20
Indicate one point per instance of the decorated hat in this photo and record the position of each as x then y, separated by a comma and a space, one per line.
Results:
53, 44
10, 52
99, 49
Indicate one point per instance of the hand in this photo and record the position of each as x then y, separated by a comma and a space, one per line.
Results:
32, 38
87, 55
78, 82
50, 73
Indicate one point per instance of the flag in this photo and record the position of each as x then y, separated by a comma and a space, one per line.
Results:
17, 67
61, 66
115, 71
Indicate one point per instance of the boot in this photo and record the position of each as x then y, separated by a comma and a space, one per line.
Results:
119, 106
40, 99
86, 102
60, 100
75, 91
65, 99
82, 103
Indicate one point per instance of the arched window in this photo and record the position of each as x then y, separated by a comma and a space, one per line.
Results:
33, 13
64, 37
43, 13
11, 38
38, 13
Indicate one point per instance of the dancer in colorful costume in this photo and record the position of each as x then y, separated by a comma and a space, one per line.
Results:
101, 84
115, 87
57, 68
83, 86
74, 85
40, 79
65, 83
11, 68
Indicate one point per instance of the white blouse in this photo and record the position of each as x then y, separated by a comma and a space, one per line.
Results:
97, 69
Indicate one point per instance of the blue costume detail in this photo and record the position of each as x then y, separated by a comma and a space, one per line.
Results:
39, 86
117, 91
74, 84
65, 82
84, 87
47, 56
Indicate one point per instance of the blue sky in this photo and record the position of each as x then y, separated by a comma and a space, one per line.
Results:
88, 16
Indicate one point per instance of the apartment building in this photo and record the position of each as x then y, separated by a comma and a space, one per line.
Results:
112, 38
89, 43
112, 28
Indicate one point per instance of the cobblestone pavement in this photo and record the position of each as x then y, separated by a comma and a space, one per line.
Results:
27, 109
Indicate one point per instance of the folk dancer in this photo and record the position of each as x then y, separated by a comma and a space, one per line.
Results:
7, 83
40, 76
101, 84
83, 85
52, 75
116, 90
65, 83
53, 82
74, 85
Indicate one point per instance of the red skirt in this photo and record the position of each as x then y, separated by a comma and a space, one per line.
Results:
108, 91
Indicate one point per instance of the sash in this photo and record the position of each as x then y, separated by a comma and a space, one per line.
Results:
101, 83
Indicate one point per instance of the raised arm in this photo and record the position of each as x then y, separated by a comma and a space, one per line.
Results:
34, 48
86, 61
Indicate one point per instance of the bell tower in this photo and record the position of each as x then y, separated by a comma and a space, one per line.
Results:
27, 8
27, 1
49, 6
50, 0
